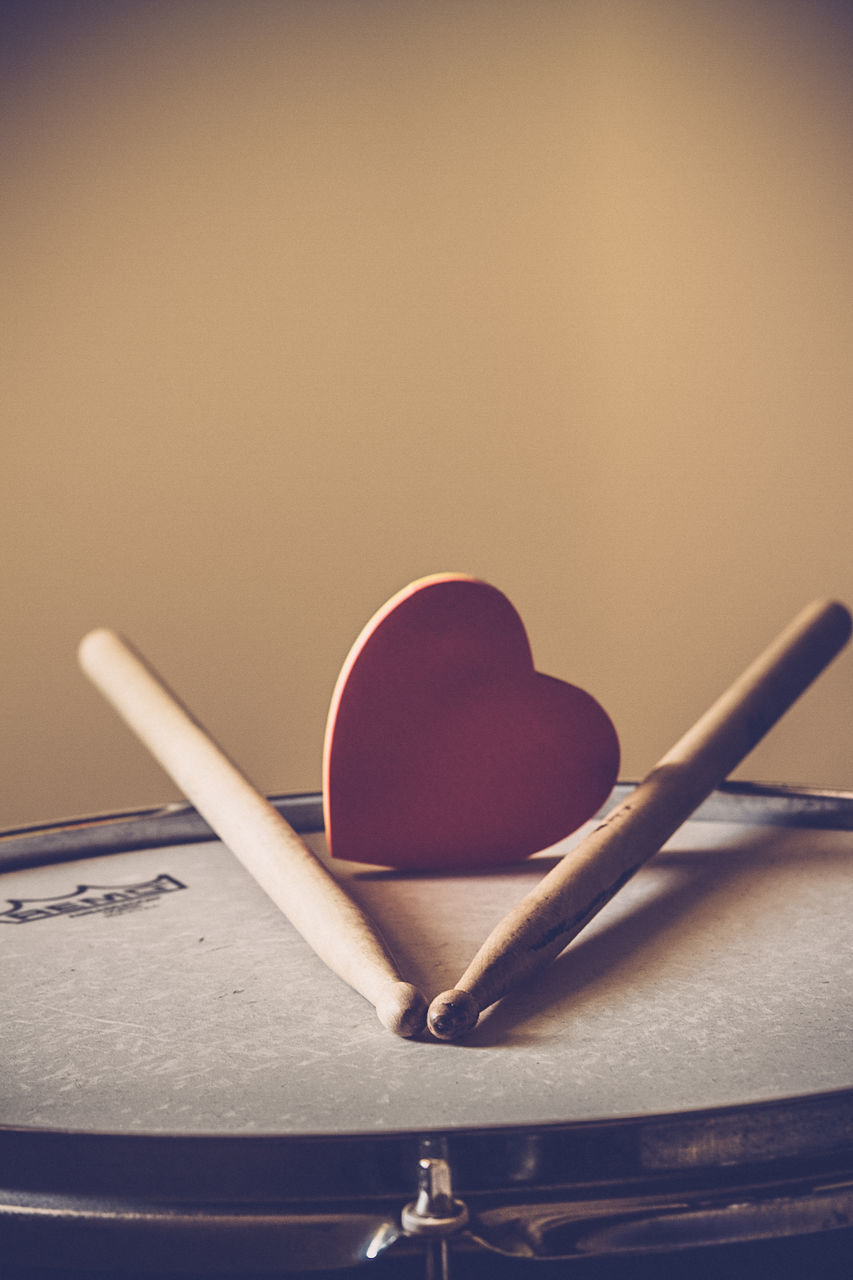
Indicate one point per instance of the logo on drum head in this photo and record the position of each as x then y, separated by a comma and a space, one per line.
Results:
88, 899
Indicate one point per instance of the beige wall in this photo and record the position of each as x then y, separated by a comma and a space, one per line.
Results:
303, 301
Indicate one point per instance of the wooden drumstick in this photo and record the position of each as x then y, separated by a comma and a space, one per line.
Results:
315, 903
568, 897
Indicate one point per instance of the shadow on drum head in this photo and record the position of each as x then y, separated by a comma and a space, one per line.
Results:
611, 952
685, 910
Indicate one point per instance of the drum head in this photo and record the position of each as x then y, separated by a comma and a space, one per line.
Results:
159, 990
155, 993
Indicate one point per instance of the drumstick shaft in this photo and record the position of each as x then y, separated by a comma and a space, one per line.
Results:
547, 919
270, 850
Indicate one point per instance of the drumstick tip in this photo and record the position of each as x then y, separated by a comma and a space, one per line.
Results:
402, 1009
452, 1014
91, 640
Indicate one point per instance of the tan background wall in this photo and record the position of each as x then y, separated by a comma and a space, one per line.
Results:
305, 300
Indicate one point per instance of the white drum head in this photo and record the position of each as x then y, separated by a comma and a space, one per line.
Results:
158, 990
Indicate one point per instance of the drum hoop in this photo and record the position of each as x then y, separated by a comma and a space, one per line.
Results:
747, 1144
760, 1139
761, 804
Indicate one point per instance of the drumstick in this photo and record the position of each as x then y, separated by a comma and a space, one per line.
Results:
300, 886
546, 920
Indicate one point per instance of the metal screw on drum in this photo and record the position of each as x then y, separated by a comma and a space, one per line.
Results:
435, 1215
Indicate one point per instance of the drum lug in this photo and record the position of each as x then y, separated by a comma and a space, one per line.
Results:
435, 1211
435, 1215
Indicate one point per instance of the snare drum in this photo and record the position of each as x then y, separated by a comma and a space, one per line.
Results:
185, 1088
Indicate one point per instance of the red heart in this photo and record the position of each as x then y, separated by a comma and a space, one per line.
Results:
445, 747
